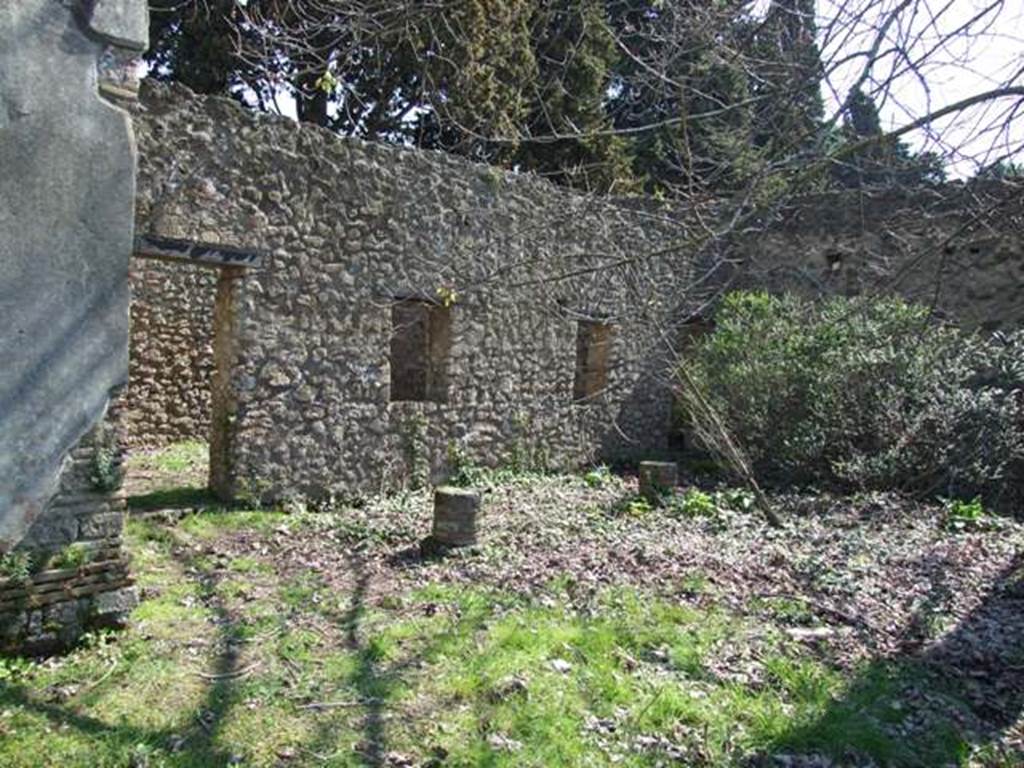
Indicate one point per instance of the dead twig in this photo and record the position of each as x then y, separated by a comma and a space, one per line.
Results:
340, 704
227, 675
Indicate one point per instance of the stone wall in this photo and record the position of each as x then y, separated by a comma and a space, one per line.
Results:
66, 193
512, 262
171, 353
958, 248
376, 252
77, 577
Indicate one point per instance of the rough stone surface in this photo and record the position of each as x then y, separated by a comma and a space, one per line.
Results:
958, 249
66, 194
657, 478
316, 389
124, 23
171, 365
351, 228
456, 512
50, 611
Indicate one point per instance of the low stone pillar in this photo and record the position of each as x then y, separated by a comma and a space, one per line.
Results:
657, 479
455, 515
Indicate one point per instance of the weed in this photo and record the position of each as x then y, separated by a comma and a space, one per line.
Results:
105, 463
72, 556
694, 583
598, 477
736, 499
632, 506
964, 515
251, 492
693, 503
16, 566
414, 443
786, 610
463, 471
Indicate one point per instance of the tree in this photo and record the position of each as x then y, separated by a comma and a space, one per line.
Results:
576, 55
1002, 169
786, 79
875, 160
681, 94
690, 98
194, 43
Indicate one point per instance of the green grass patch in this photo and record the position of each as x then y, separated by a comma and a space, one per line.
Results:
227, 662
172, 498
189, 455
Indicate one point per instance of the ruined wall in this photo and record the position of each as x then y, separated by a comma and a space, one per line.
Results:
310, 396
171, 353
77, 576
352, 227
958, 248
66, 193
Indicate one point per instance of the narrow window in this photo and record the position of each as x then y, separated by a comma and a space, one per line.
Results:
420, 343
593, 348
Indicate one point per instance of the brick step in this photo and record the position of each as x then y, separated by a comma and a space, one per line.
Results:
65, 592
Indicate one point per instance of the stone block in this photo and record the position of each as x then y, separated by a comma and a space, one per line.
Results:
101, 526
114, 607
658, 479
456, 512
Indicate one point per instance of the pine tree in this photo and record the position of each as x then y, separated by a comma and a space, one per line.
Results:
576, 56
874, 160
786, 82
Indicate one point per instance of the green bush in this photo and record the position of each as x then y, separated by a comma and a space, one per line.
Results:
693, 503
860, 395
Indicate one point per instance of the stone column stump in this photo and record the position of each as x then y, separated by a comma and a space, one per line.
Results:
455, 515
657, 479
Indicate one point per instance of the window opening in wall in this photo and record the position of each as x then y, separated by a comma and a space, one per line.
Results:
420, 344
593, 351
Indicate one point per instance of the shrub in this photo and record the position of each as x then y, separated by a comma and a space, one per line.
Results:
860, 395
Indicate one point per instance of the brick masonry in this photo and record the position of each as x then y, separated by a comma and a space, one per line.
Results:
78, 576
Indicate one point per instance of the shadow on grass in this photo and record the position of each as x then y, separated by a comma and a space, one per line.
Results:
379, 679
934, 703
192, 745
172, 498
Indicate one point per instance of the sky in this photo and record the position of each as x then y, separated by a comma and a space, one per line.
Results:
956, 65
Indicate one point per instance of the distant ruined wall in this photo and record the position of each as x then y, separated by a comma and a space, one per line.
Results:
171, 353
353, 229
958, 248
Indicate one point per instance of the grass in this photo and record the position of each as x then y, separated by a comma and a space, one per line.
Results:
235, 663
250, 648
173, 477
175, 459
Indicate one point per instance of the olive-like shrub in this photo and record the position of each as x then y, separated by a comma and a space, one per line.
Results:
859, 394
